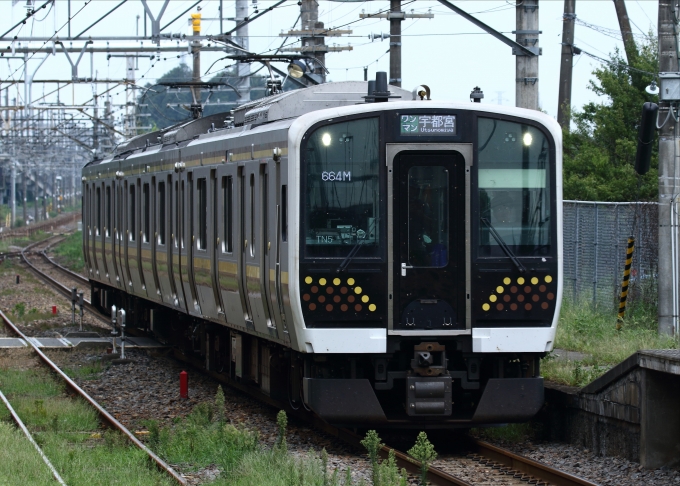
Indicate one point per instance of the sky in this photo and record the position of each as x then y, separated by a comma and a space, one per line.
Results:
447, 53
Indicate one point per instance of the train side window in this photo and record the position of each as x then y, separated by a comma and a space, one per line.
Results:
133, 213
202, 214
252, 215
180, 216
264, 184
98, 211
284, 213
228, 207
147, 211
108, 211
175, 220
161, 213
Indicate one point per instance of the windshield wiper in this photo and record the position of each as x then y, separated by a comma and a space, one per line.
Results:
503, 246
355, 249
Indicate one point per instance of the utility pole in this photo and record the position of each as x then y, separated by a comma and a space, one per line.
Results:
526, 94
36, 216
24, 195
130, 122
243, 68
196, 108
566, 64
668, 179
13, 192
315, 45
396, 18
626, 31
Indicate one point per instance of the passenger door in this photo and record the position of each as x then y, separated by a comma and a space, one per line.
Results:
428, 246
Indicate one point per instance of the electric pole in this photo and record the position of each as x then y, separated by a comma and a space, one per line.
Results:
626, 31
196, 108
315, 45
668, 63
243, 68
396, 18
566, 64
526, 94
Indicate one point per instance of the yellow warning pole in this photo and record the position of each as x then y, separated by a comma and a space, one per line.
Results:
624, 284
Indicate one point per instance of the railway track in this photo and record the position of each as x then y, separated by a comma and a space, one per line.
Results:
505, 466
103, 414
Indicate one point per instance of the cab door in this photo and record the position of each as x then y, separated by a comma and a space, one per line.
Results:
428, 243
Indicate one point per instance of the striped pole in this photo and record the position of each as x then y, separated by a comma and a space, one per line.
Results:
626, 277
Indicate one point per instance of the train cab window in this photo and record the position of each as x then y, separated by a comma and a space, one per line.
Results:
227, 210
202, 242
428, 216
108, 211
98, 211
147, 212
514, 190
161, 213
132, 229
341, 192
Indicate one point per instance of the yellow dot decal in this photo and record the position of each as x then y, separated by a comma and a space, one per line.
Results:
336, 281
499, 289
308, 280
372, 307
486, 307
350, 281
493, 298
534, 280
520, 280
548, 278
507, 281
364, 299
322, 281
357, 290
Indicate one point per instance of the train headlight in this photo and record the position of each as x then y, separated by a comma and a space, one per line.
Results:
527, 139
326, 139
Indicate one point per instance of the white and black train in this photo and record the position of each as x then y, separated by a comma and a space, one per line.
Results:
379, 259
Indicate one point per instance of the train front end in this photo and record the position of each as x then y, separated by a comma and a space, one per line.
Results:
426, 282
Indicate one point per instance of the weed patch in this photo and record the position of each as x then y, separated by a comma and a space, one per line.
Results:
70, 252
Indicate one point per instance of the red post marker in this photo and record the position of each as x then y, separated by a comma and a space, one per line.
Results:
54, 310
184, 385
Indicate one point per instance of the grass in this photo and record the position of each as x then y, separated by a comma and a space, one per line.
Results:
593, 331
70, 252
87, 372
69, 433
19, 459
512, 433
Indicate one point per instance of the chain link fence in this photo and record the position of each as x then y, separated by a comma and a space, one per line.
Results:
595, 240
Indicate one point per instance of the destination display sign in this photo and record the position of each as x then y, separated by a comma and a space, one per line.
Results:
438, 125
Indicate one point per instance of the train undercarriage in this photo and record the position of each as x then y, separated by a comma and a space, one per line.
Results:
432, 382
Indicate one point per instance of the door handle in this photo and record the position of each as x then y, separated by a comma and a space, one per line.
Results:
403, 269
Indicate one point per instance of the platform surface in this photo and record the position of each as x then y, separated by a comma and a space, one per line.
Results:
74, 342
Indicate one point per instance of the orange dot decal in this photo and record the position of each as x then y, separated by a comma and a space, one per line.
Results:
322, 299
527, 306
314, 289
513, 306
343, 307
329, 307
544, 306
513, 289
520, 298
527, 289
499, 307
358, 307
506, 298
534, 298
343, 290
551, 296
542, 288
329, 290
306, 297
312, 306
336, 299
350, 299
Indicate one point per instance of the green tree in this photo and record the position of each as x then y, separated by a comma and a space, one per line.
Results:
599, 153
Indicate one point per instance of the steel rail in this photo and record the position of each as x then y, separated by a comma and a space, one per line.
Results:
528, 467
28, 435
61, 288
106, 416
69, 273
